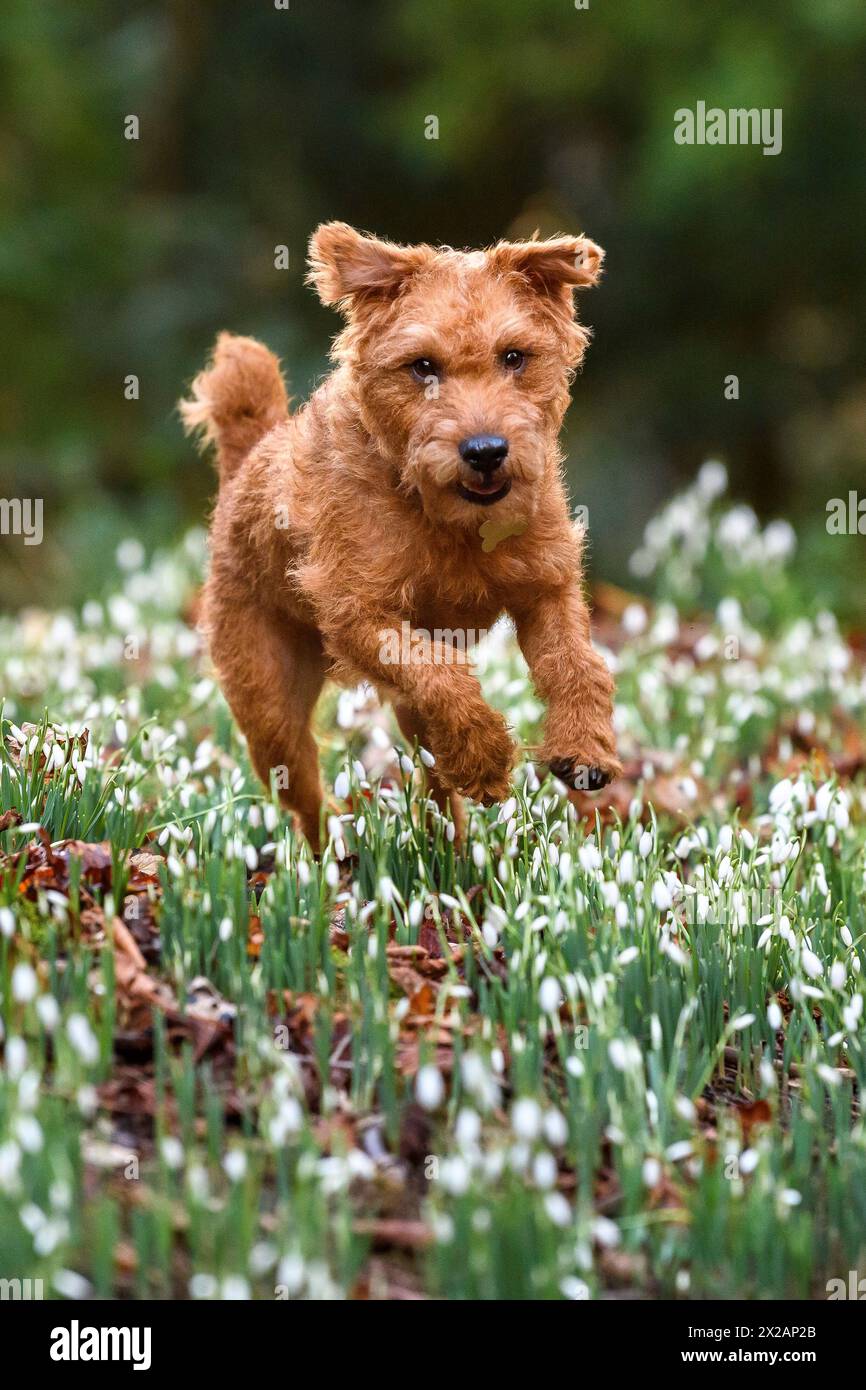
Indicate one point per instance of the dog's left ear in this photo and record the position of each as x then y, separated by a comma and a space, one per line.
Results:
347, 267
565, 262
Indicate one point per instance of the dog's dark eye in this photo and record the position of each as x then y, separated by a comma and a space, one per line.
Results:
423, 368
514, 360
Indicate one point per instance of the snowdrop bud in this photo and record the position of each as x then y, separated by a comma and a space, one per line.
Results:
838, 975
429, 1088
550, 995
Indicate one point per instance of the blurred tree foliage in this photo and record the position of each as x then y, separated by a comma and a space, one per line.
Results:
122, 257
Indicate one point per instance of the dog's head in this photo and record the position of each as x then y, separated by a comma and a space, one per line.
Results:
460, 361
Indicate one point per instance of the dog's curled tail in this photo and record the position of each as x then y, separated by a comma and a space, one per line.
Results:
236, 400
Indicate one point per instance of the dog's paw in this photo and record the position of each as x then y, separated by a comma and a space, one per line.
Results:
585, 774
477, 763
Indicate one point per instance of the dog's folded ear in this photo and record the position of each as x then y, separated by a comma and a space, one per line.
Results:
572, 262
347, 266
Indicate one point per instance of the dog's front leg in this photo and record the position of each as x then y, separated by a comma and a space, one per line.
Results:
573, 680
470, 741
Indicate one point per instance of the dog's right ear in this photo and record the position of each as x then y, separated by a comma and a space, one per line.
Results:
347, 267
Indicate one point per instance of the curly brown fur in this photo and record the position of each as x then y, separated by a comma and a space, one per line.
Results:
358, 513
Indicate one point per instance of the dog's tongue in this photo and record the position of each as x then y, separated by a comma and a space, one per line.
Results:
485, 486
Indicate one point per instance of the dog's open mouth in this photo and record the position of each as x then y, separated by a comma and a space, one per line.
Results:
485, 493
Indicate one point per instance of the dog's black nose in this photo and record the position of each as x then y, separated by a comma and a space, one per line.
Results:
483, 451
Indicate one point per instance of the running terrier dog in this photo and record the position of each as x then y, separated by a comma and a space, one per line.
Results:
420, 484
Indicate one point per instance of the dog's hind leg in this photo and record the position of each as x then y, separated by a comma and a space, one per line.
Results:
271, 672
412, 727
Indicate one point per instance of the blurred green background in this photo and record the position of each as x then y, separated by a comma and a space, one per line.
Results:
122, 257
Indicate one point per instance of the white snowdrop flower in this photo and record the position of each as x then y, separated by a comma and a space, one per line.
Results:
673, 951
7, 921
526, 1118
845, 933
656, 1034
291, 1272
263, 1257
625, 868
507, 809
683, 847
558, 1209
549, 995
765, 939
574, 1289
235, 1164
828, 1074
841, 817
574, 1066
555, 1128
429, 1087
651, 1172
674, 1153
172, 1152
467, 1129
450, 831
406, 764
235, 1289
811, 964
28, 1132
748, 839
589, 857
82, 1038
87, 1100
416, 912
853, 1012
332, 873
628, 955
742, 1022
621, 914
385, 889
645, 844
684, 1108
634, 620
341, 786
662, 899
606, 1232
203, 1286
28, 1090
490, 935
823, 800
838, 975
619, 1054
226, 927
712, 480
780, 540
24, 983
774, 1016
479, 855
10, 1162
454, 1174
70, 1284
790, 1197
426, 757
544, 1170
726, 839
768, 1074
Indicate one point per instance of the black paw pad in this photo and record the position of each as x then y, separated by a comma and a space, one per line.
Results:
579, 776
